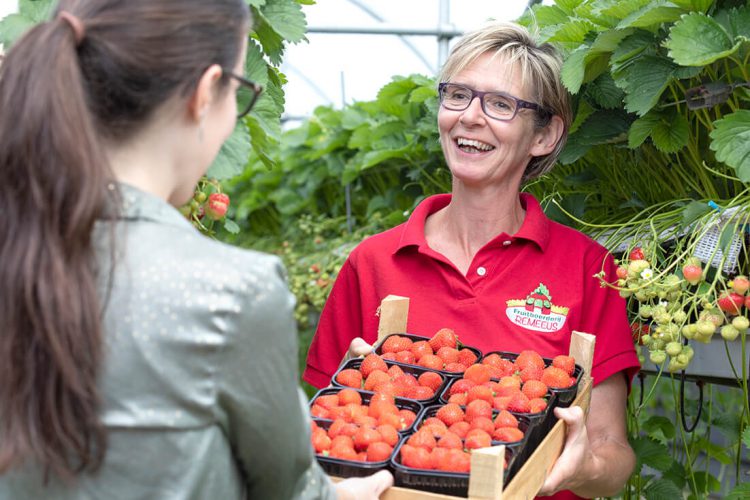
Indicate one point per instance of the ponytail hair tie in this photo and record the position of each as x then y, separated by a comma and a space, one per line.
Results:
75, 24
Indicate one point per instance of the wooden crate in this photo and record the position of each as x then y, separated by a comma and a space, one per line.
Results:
486, 478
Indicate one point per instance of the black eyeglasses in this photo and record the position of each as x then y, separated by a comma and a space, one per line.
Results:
247, 93
496, 105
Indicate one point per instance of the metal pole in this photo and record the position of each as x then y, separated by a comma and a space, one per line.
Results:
443, 39
348, 187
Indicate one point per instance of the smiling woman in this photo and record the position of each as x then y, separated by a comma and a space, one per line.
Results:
485, 261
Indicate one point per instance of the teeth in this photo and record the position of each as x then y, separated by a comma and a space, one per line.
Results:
474, 144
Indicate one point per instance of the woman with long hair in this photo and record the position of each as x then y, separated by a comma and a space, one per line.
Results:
138, 359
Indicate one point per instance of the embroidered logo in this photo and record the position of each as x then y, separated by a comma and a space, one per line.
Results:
537, 312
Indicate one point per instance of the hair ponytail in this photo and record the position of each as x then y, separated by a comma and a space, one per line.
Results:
52, 191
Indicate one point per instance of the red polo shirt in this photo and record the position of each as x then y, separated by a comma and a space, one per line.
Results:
529, 290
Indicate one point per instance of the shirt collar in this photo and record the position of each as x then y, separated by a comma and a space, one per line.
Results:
535, 227
135, 204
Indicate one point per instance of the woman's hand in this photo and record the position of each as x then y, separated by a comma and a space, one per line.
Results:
358, 347
576, 452
364, 488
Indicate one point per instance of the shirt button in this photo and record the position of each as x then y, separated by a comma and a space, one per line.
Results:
481, 271
506, 243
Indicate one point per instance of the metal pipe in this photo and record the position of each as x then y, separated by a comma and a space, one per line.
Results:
443, 27
445, 32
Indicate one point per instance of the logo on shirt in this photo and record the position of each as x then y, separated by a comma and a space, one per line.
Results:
537, 312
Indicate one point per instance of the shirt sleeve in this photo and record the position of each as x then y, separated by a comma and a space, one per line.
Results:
606, 317
340, 322
264, 412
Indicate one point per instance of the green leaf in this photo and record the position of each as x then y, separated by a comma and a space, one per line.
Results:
421, 94
639, 44
618, 8
661, 489
37, 10
651, 453
641, 128
725, 241
582, 113
604, 92
547, 15
231, 227
731, 142
746, 437
573, 31
692, 212
653, 14
661, 424
609, 41
12, 27
671, 135
698, 40
645, 81
739, 492
255, 3
286, 18
694, 5
676, 474
735, 21
232, 156
604, 126
574, 69
706, 482
256, 68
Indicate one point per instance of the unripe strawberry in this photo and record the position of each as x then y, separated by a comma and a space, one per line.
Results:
216, 207
622, 272
657, 357
674, 348
741, 284
741, 323
728, 332
692, 273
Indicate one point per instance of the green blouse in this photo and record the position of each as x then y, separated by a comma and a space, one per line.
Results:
199, 381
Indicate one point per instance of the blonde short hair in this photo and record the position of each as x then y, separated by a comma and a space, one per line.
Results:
540, 65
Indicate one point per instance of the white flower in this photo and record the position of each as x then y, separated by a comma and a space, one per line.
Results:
663, 303
647, 273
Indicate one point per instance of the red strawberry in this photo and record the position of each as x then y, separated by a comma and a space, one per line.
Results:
379, 451
445, 337
477, 438
534, 389
537, 405
404, 357
396, 343
730, 302
637, 254
467, 357
447, 354
450, 414
350, 377
519, 403
508, 434
371, 363
565, 363
555, 377
506, 419
528, 358
216, 207
454, 368
430, 379
461, 386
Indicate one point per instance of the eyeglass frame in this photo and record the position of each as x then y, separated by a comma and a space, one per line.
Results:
254, 87
520, 103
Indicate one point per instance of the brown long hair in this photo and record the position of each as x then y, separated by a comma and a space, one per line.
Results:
61, 97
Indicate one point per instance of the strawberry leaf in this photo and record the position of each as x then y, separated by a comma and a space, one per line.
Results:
705, 481
692, 212
652, 14
661, 425
652, 453
286, 18
735, 21
233, 154
739, 492
644, 82
670, 136
618, 8
604, 92
694, 5
746, 437
731, 142
698, 40
661, 489
642, 128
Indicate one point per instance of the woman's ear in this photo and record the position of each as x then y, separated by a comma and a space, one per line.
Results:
547, 138
203, 95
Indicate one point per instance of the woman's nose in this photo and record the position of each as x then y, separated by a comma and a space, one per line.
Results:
474, 111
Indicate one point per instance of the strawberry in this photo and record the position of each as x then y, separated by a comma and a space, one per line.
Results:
730, 302
508, 434
415, 457
396, 343
404, 357
320, 441
467, 357
447, 354
555, 377
480, 392
216, 207
537, 405
419, 392
371, 363
364, 437
379, 451
638, 330
637, 254
528, 358
692, 272
534, 389
374, 379
430, 379
395, 371
327, 400
454, 368
420, 348
388, 433
460, 399
741, 284
445, 337
460, 429
484, 423
478, 373
565, 363
477, 438
431, 361
422, 439
622, 272
530, 373
519, 403
505, 419
461, 386
477, 408
347, 396
450, 440
350, 377
450, 414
